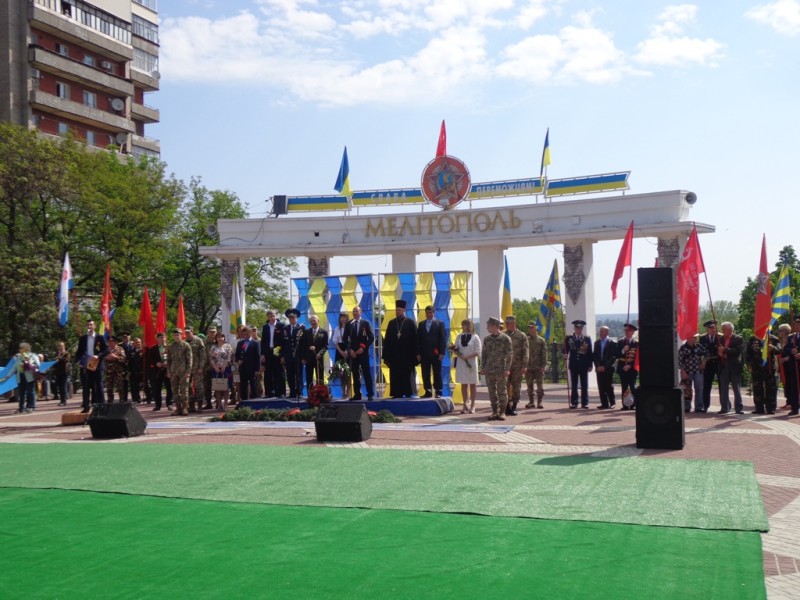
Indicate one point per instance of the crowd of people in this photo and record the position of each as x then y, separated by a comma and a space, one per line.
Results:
194, 370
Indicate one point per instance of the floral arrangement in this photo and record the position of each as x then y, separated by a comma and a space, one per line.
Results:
276, 351
294, 414
339, 370
454, 349
319, 394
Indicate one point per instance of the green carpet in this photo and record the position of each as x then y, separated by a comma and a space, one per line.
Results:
666, 492
69, 544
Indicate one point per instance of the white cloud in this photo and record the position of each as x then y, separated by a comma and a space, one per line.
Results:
783, 16
667, 46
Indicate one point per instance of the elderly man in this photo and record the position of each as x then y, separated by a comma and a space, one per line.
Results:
604, 355
729, 352
710, 342
272, 342
519, 363
578, 356
537, 363
691, 361
496, 366
314, 345
627, 349
358, 339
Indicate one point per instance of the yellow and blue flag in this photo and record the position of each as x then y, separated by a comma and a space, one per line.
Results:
506, 307
551, 302
545, 153
343, 179
782, 296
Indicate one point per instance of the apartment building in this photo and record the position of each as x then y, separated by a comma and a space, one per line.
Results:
81, 67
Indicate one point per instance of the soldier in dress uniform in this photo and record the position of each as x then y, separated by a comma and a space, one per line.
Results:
537, 364
314, 347
519, 363
400, 351
179, 369
197, 391
116, 361
290, 352
496, 366
627, 348
578, 356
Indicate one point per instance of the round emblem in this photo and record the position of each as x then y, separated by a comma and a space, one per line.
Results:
445, 181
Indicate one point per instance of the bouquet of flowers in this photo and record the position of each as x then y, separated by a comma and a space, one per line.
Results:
276, 351
319, 394
454, 349
338, 370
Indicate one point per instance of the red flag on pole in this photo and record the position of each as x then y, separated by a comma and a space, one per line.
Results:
105, 302
161, 316
763, 314
146, 320
180, 321
688, 283
441, 147
623, 261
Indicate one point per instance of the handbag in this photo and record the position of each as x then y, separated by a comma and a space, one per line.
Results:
219, 384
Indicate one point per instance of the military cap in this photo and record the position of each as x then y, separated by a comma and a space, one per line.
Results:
631, 326
292, 312
511, 319
188, 328
532, 324
115, 338
711, 323
177, 330
578, 323
125, 333
493, 321
399, 303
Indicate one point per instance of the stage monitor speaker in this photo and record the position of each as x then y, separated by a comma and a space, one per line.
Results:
656, 297
342, 422
659, 418
108, 421
279, 205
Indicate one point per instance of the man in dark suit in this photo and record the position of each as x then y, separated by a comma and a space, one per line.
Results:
400, 352
271, 338
313, 347
290, 352
730, 369
92, 349
710, 342
359, 338
431, 346
248, 357
604, 356
578, 356
627, 349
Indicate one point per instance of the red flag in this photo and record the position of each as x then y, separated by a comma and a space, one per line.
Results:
146, 320
161, 316
441, 147
180, 321
105, 302
763, 314
688, 283
623, 261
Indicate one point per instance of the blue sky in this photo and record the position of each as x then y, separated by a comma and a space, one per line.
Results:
259, 96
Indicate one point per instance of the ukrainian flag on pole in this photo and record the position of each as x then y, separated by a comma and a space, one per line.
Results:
781, 300
545, 153
551, 301
506, 307
342, 184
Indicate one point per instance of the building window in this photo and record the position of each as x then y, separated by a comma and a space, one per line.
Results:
63, 129
108, 67
34, 38
62, 50
90, 99
88, 60
145, 29
144, 61
151, 4
90, 139
62, 90
101, 21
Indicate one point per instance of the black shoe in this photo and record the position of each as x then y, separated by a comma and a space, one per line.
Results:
601, 407
756, 412
156, 408
438, 395
770, 412
792, 413
512, 413
585, 406
355, 398
612, 405
571, 406
62, 403
84, 410
723, 412
427, 395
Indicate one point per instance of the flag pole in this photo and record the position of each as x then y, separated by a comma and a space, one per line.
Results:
708, 286
566, 353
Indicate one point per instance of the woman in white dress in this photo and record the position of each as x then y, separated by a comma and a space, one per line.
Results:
467, 349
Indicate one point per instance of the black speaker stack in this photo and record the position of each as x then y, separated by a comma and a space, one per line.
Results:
108, 421
343, 422
659, 400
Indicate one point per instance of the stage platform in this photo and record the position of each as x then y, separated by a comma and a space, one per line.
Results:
407, 407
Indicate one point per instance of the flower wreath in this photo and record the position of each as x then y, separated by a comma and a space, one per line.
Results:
319, 394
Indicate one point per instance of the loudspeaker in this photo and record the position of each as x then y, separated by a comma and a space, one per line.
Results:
279, 205
658, 343
659, 419
343, 423
116, 420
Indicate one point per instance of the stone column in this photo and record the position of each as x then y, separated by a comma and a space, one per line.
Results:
404, 262
670, 251
490, 284
578, 297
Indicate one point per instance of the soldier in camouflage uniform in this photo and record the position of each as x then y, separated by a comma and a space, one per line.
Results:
519, 363
179, 369
495, 366
211, 339
537, 363
197, 379
116, 369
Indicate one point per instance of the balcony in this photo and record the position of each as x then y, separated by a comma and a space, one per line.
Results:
78, 112
50, 62
144, 113
144, 80
150, 145
71, 31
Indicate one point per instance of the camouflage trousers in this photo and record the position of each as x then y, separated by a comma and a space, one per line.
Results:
535, 376
197, 391
514, 387
497, 385
180, 393
115, 380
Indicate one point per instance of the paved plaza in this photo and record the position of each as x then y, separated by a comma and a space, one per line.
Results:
771, 443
